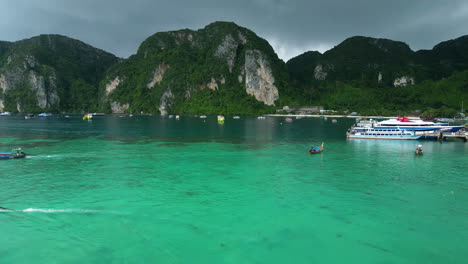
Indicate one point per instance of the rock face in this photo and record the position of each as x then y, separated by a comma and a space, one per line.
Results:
118, 108
212, 70
213, 85
319, 73
403, 81
51, 72
166, 100
47, 96
228, 48
112, 85
158, 75
259, 80
28, 82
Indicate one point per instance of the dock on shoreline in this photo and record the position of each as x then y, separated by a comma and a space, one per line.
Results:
445, 136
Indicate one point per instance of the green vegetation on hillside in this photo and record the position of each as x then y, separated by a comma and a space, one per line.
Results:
360, 74
68, 67
205, 72
192, 63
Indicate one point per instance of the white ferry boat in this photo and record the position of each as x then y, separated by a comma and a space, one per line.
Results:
365, 132
415, 125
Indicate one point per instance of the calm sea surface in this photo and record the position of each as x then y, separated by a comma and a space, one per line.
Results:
149, 189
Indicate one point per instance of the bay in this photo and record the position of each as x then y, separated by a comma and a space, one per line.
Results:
150, 189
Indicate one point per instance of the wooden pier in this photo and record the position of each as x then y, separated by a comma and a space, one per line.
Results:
446, 136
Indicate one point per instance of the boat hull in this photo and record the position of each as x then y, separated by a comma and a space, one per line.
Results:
11, 156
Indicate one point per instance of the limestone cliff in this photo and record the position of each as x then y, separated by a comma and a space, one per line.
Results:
259, 80
220, 69
51, 73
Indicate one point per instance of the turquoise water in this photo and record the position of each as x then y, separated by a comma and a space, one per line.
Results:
157, 190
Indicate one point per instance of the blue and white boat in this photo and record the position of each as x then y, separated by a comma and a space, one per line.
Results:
414, 125
366, 132
5, 114
44, 115
14, 154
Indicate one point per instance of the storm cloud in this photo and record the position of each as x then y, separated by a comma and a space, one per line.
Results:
291, 26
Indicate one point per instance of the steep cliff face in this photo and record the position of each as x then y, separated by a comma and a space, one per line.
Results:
211, 70
26, 85
51, 72
259, 80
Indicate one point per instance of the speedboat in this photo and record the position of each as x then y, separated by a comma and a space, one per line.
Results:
417, 125
14, 154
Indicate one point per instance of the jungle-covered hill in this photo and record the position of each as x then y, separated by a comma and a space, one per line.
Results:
224, 68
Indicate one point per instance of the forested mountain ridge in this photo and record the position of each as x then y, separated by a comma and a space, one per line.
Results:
227, 69
51, 73
222, 68
369, 74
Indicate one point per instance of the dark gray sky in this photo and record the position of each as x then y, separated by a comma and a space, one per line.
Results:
291, 26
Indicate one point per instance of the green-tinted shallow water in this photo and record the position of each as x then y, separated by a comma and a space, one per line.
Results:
158, 190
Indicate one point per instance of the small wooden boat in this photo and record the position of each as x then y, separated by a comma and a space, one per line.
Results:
14, 154
316, 150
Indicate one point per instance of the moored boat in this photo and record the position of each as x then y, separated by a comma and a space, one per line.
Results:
220, 119
88, 117
14, 154
416, 125
45, 115
5, 114
373, 133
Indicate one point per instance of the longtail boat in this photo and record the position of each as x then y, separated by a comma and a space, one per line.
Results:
14, 154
